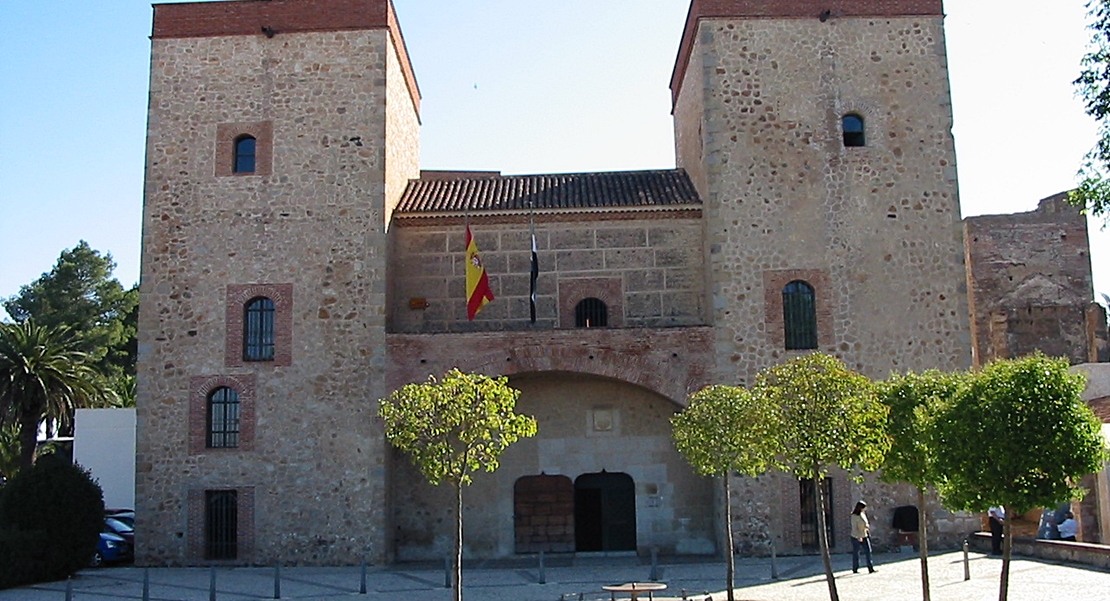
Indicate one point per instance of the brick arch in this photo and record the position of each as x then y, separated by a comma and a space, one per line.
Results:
670, 362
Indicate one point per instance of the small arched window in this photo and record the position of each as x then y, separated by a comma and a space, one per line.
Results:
799, 316
591, 313
223, 419
244, 154
852, 124
258, 330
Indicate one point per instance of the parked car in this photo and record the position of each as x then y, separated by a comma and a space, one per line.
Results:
119, 526
111, 548
127, 516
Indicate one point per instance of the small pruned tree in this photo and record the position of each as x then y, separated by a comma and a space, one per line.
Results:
725, 429
913, 399
827, 415
453, 428
1018, 435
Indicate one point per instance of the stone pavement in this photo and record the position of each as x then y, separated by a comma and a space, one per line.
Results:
800, 579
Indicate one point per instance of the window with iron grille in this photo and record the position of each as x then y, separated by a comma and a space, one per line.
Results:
245, 147
852, 126
221, 524
258, 330
591, 313
808, 499
799, 316
223, 419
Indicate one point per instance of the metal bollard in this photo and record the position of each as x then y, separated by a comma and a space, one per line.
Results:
447, 573
654, 576
212, 584
277, 581
146, 584
543, 575
774, 564
69, 589
967, 567
684, 595
362, 578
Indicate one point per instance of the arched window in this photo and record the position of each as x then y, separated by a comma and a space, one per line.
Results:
852, 124
799, 316
244, 154
223, 419
258, 330
591, 313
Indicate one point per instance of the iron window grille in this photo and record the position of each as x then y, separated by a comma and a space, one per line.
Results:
799, 316
591, 313
258, 330
221, 524
223, 419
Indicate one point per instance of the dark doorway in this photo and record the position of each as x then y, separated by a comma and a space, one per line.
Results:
808, 498
604, 512
543, 514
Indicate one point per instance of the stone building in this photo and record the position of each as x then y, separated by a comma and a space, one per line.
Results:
297, 266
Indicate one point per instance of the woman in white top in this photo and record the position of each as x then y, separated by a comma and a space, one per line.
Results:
861, 537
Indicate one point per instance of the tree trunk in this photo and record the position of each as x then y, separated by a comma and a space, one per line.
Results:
28, 439
456, 557
730, 560
823, 538
1007, 546
923, 543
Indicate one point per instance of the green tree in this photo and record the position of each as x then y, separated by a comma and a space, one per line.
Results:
452, 428
725, 429
1017, 435
1093, 86
828, 415
913, 398
80, 293
43, 376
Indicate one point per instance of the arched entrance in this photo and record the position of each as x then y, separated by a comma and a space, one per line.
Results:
604, 512
543, 514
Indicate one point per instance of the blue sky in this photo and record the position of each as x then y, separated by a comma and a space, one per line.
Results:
520, 86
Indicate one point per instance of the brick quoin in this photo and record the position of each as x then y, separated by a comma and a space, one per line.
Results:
788, 9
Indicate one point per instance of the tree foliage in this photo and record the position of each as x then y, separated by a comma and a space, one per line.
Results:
1017, 435
828, 415
1093, 86
43, 376
50, 520
725, 429
913, 399
452, 428
81, 294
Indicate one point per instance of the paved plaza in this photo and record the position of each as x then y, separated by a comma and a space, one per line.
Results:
570, 579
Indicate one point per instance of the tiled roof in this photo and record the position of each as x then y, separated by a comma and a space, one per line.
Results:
616, 189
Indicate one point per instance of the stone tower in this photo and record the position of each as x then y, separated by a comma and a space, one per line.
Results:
818, 134
281, 135
819, 137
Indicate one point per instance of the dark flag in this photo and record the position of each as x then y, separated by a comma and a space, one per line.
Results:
535, 275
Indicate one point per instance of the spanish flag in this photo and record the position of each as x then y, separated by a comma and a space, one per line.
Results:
478, 292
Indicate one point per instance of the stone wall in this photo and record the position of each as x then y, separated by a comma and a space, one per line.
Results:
647, 270
880, 222
1030, 280
311, 224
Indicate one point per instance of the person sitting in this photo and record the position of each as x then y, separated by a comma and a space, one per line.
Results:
1069, 527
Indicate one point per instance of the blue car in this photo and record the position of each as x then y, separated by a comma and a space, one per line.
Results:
111, 548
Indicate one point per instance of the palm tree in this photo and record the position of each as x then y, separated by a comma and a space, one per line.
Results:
43, 377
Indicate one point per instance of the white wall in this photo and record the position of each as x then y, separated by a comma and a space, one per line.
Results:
104, 443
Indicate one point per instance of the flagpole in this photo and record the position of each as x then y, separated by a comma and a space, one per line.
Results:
535, 266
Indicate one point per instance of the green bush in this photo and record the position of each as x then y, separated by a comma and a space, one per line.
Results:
50, 521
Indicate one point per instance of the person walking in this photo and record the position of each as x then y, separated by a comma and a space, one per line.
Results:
861, 537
